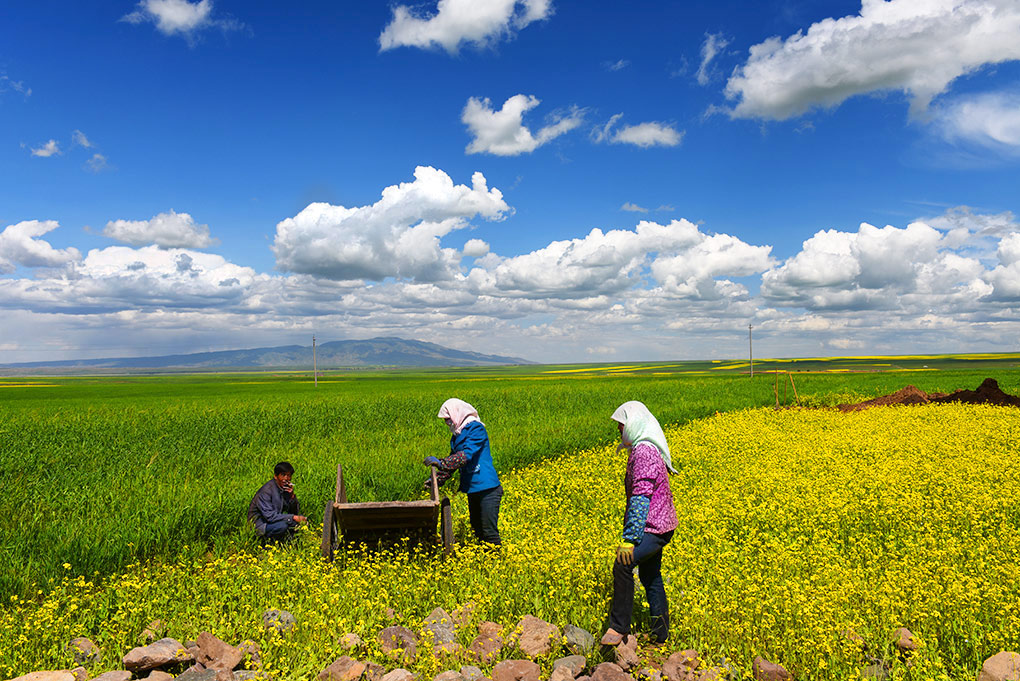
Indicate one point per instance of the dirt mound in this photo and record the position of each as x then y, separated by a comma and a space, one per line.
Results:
987, 393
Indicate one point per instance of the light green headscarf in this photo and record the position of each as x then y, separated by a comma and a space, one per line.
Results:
640, 426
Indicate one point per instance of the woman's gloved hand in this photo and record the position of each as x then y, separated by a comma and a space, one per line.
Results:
431, 461
625, 553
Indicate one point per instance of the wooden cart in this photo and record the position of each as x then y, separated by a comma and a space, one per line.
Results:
373, 521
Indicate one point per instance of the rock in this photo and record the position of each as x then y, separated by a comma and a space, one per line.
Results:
516, 670
710, 674
280, 620
536, 636
374, 672
158, 675
648, 674
252, 654
85, 652
904, 640
162, 653
1004, 666
154, 631
440, 624
768, 671
607, 671
216, 654
80, 674
487, 646
117, 675
350, 642
446, 649
579, 641
472, 673
561, 674
626, 654
249, 675
392, 615
399, 675
463, 615
448, 676
575, 663
681, 666
60, 675
199, 673
342, 669
399, 642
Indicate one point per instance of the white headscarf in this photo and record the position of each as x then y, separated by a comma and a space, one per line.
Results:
640, 426
460, 414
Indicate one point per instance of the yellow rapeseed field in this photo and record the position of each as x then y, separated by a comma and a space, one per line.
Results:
795, 527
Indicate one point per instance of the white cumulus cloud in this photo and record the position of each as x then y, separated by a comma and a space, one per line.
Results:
51, 148
398, 236
179, 17
20, 245
166, 230
503, 133
915, 46
478, 22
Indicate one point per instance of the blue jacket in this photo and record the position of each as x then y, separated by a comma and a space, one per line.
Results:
478, 473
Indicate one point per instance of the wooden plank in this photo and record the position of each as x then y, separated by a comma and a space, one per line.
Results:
374, 505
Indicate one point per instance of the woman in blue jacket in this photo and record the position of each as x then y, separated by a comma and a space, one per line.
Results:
469, 453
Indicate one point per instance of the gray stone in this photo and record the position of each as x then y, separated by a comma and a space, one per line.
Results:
248, 675
342, 669
764, 670
116, 675
162, 653
85, 652
1004, 666
537, 637
441, 625
281, 620
472, 673
516, 670
214, 653
158, 675
579, 641
199, 673
575, 663
399, 643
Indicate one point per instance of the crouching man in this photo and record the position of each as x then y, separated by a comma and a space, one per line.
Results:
274, 509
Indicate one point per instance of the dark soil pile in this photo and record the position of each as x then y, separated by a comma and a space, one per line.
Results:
987, 393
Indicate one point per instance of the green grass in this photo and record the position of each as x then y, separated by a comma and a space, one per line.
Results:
102, 471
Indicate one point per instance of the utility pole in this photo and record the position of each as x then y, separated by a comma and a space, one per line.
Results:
315, 366
750, 349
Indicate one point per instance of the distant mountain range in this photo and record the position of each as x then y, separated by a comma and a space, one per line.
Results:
350, 353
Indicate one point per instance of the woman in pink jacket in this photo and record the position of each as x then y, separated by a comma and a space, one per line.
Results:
648, 523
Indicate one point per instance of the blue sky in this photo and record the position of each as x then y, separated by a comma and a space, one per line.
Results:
561, 181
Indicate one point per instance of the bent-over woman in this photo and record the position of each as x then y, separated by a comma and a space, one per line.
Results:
469, 454
647, 525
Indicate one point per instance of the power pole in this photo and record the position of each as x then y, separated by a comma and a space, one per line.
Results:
750, 349
315, 366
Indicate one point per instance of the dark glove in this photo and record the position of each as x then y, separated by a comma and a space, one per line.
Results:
432, 461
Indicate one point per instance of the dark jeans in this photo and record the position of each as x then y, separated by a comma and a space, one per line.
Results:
483, 508
648, 559
276, 533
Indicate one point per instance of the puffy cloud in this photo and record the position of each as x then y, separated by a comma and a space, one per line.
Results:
503, 133
1009, 249
51, 148
20, 245
481, 22
915, 46
692, 272
398, 236
179, 17
475, 248
713, 45
642, 135
991, 120
166, 230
